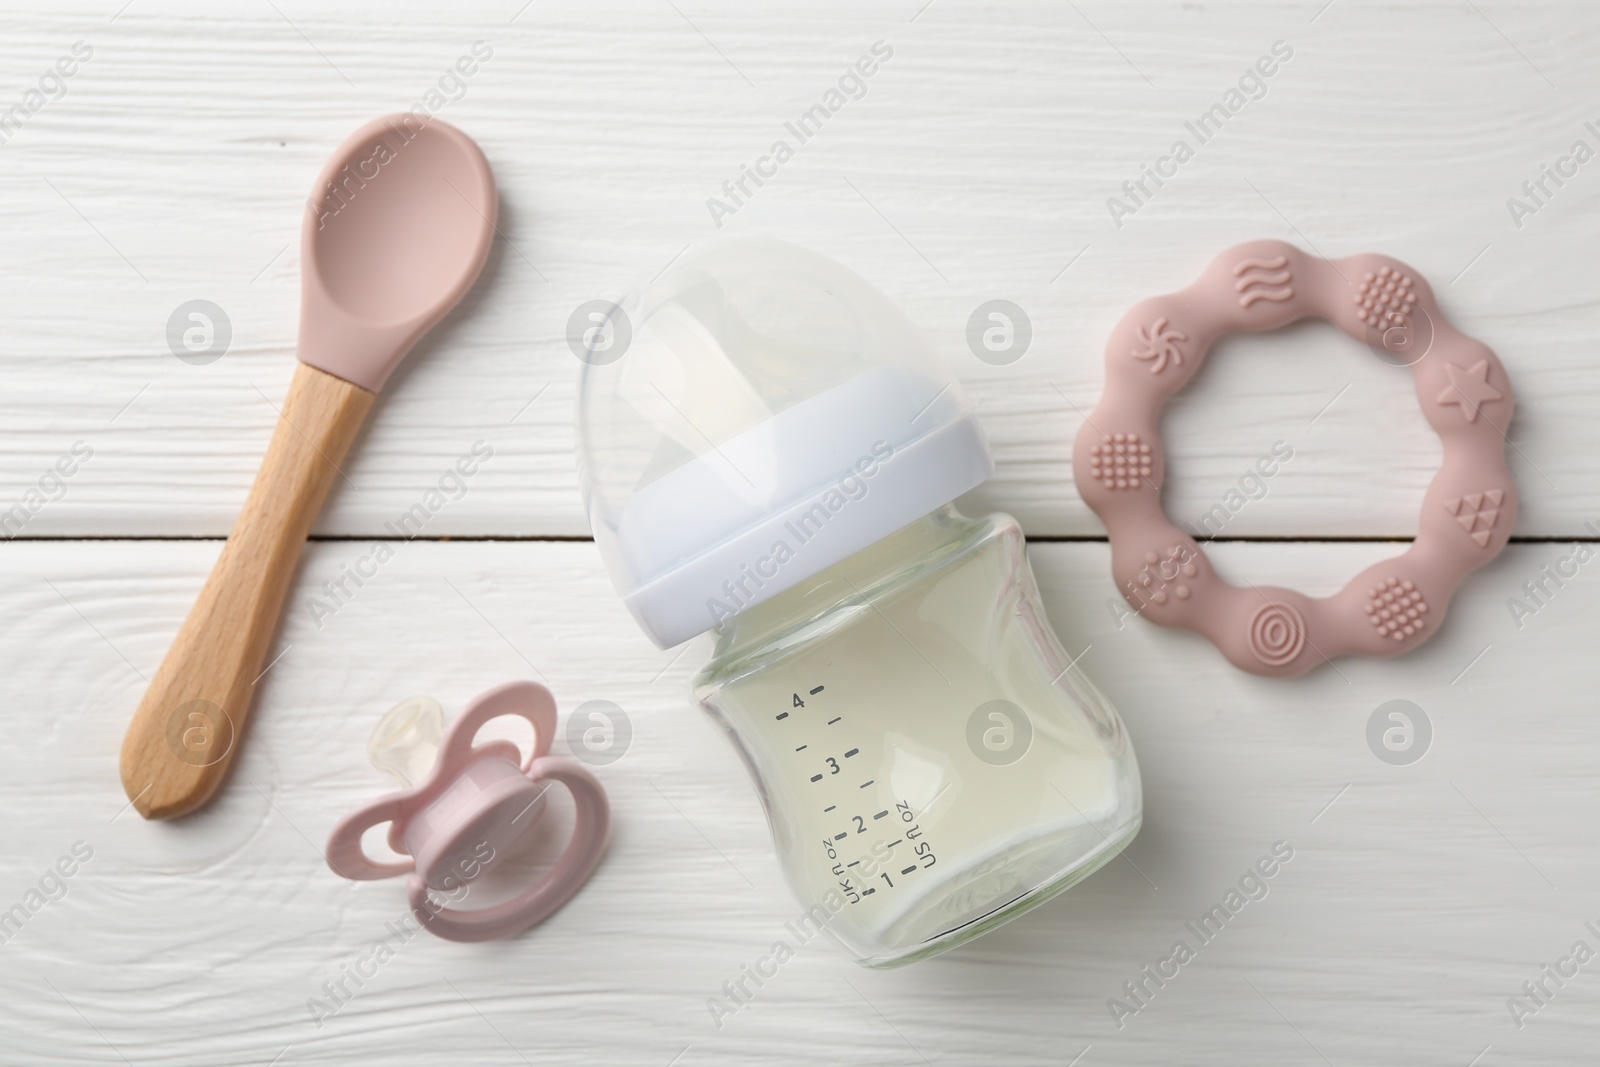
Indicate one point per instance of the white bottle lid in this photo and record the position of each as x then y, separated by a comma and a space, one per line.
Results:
752, 417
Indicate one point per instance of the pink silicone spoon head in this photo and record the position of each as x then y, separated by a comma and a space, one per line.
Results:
398, 227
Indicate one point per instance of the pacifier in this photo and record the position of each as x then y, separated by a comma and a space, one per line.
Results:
472, 805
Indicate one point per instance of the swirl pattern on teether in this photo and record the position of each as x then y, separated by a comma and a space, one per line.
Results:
1391, 607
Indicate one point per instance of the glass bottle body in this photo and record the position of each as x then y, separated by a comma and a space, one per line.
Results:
931, 762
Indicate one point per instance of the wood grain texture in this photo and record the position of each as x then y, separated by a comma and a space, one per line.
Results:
1418, 900
978, 165
190, 723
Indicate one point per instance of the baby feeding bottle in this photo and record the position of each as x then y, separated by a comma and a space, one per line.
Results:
769, 450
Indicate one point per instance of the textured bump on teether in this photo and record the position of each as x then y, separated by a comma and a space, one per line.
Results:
1277, 634
1469, 388
1396, 608
1392, 606
1162, 572
1263, 279
1477, 513
1121, 461
1160, 343
1384, 299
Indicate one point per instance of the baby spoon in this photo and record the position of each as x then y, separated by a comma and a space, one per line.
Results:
398, 227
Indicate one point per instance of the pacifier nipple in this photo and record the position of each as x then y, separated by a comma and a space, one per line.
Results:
405, 742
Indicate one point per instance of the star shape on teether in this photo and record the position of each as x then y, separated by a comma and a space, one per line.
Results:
1469, 388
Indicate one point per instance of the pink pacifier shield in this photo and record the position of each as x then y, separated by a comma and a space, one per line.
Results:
1119, 461
462, 819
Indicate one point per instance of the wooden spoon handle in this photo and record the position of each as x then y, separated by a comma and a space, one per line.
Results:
188, 725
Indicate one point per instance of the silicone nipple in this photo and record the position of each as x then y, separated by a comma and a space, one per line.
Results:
405, 742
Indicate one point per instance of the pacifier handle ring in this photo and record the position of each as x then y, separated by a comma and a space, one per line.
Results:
344, 853
528, 700
537, 903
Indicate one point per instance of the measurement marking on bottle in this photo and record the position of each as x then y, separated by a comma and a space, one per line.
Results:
881, 814
868, 892
853, 863
802, 748
783, 715
816, 777
909, 870
895, 842
864, 784
840, 836
829, 808
817, 690
852, 752
835, 719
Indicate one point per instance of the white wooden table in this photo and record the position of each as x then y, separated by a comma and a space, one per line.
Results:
977, 165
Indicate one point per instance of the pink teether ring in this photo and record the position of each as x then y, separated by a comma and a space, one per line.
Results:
462, 819
1387, 609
